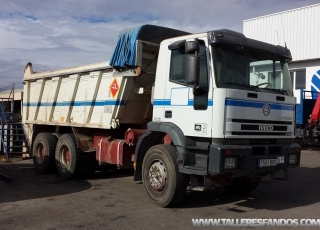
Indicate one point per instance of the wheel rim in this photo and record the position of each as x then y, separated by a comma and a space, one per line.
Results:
157, 175
40, 152
65, 156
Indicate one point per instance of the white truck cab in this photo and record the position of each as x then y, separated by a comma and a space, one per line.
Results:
227, 103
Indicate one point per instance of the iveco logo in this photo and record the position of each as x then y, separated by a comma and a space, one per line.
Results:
266, 127
266, 110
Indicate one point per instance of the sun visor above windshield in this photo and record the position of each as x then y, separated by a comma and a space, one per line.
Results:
124, 54
224, 36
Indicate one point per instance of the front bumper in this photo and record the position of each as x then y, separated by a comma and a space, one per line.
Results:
247, 160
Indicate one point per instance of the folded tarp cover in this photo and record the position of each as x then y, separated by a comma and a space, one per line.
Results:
125, 50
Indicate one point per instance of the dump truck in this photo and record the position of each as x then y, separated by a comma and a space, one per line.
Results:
186, 111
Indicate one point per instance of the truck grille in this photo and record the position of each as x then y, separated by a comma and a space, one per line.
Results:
256, 127
259, 133
262, 122
245, 127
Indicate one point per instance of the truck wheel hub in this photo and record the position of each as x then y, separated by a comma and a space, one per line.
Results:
157, 175
40, 153
68, 158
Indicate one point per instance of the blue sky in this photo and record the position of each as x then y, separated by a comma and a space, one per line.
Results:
59, 34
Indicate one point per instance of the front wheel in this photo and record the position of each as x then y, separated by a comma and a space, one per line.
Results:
243, 185
165, 185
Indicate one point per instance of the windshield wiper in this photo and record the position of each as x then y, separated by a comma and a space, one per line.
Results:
247, 86
283, 91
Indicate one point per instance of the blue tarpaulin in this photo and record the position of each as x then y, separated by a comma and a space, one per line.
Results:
125, 50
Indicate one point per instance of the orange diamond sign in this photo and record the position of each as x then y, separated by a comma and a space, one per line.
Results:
114, 88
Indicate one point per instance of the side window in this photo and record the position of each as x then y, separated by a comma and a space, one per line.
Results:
177, 73
178, 66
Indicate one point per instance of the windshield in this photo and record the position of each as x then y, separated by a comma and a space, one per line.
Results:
238, 67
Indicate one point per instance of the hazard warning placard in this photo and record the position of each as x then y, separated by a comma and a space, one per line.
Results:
114, 88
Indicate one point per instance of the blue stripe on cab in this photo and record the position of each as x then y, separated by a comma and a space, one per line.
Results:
167, 102
157, 102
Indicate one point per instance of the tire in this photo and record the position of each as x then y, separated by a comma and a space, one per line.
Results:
170, 188
242, 185
70, 162
43, 152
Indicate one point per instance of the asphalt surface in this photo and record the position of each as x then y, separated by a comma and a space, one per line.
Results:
112, 200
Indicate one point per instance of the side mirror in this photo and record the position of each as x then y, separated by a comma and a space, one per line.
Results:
192, 47
192, 69
192, 63
198, 91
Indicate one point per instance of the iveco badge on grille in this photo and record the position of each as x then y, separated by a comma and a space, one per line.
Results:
266, 110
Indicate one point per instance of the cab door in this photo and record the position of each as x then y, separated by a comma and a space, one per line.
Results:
193, 114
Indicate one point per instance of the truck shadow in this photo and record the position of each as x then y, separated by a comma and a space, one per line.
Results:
26, 184
301, 189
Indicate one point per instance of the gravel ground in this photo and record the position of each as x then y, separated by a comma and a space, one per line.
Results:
112, 200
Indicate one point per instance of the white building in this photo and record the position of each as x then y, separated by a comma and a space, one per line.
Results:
299, 30
10, 100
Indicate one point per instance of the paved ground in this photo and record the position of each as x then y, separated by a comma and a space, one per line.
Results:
112, 200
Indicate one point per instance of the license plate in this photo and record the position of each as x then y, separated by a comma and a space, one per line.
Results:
270, 162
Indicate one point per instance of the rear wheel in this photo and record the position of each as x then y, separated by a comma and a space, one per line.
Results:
70, 162
243, 185
43, 152
165, 185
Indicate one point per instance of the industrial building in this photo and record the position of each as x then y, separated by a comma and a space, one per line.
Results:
11, 100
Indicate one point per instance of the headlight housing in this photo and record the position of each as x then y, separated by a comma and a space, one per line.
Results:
230, 163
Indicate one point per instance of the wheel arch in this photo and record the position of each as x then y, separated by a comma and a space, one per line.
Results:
84, 136
177, 136
155, 134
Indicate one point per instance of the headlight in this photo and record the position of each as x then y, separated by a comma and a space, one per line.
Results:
230, 163
293, 159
